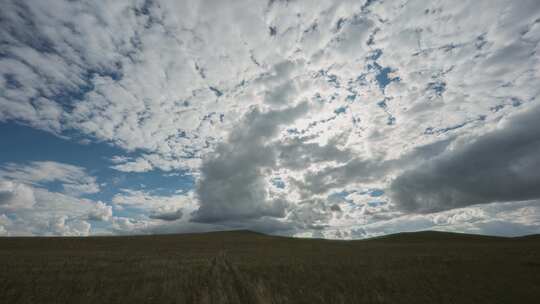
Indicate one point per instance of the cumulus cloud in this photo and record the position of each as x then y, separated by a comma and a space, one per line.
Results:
35, 210
232, 186
14, 196
51, 213
63, 226
100, 212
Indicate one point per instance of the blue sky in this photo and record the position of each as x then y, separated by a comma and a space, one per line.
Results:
24, 144
346, 119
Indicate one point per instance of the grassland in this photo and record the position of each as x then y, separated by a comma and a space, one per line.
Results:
247, 267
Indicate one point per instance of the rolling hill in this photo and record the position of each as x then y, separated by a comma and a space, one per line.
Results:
249, 267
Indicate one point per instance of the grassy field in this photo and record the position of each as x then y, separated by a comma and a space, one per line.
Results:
247, 267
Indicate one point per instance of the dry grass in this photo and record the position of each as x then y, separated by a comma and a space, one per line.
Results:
245, 267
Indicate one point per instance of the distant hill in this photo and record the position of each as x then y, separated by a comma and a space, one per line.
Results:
417, 236
414, 236
435, 236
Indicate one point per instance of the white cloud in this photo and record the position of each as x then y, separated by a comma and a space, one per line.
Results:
3, 231
127, 225
100, 212
54, 213
34, 210
138, 165
74, 179
14, 196
61, 226
155, 206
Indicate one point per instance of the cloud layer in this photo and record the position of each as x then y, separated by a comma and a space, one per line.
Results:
294, 117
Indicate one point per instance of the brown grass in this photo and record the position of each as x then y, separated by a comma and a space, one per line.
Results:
245, 267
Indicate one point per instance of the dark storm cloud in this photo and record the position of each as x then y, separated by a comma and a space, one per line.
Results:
356, 170
6, 197
167, 216
232, 186
503, 165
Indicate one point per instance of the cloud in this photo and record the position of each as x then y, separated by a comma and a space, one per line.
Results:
394, 89
50, 213
14, 196
101, 212
74, 179
297, 154
138, 165
499, 166
232, 186
168, 208
63, 226
127, 225
167, 216
35, 210
144, 76
490, 219
348, 169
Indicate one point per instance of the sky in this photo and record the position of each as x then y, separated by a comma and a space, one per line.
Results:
327, 119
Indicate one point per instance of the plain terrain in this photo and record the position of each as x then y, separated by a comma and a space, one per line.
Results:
247, 267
